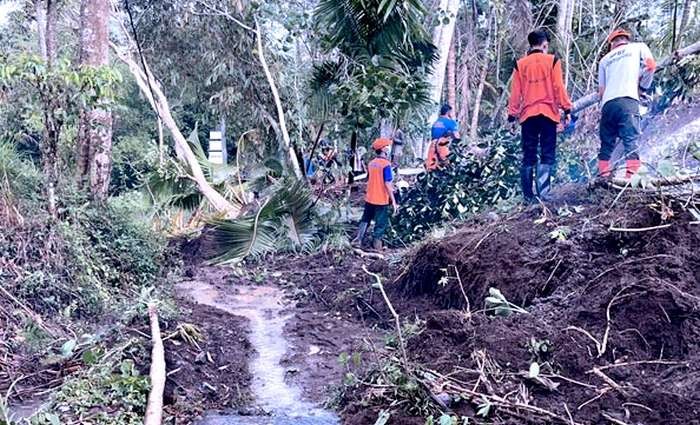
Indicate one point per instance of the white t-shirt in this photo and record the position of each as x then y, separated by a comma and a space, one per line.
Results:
624, 70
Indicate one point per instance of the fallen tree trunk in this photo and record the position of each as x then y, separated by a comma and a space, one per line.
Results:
154, 407
593, 98
153, 92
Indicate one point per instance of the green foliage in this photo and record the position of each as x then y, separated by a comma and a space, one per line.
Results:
382, 68
113, 385
467, 186
61, 84
285, 221
133, 159
18, 175
375, 27
679, 82
78, 264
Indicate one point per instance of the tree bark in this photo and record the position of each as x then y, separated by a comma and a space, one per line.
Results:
157, 374
474, 127
565, 19
687, 5
46, 15
151, 89
442, 38
452, 76
291, 155
95, 126
40, 13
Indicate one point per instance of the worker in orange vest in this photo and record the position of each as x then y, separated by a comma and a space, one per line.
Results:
536, 98
380, 194
623, 73
444, 130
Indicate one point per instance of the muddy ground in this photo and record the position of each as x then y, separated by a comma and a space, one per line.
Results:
604, 303
612, 318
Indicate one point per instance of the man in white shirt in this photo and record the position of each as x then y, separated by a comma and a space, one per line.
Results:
622, 73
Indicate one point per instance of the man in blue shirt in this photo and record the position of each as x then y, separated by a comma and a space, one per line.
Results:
444, 130
445, 125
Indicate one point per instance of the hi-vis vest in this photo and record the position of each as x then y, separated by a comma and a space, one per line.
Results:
377, 193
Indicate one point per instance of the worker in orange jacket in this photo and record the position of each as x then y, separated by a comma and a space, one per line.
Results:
380, 194
536, 98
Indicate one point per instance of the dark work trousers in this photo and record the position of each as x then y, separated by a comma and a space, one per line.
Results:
539, 131
380, 215
619, 119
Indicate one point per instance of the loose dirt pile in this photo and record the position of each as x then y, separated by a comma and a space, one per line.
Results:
613, 318
610, 333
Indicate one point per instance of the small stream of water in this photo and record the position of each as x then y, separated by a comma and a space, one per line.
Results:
262, 306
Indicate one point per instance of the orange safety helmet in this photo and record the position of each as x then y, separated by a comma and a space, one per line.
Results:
381, 143
619, 33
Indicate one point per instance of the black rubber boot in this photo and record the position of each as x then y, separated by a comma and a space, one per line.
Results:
526, 176
544, 180
361, 230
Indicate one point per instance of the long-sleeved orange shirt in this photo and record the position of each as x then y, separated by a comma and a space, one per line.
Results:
538, 88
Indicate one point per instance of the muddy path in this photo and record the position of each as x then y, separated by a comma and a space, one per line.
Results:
290, 369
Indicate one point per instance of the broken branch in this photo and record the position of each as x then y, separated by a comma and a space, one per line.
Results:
154, 408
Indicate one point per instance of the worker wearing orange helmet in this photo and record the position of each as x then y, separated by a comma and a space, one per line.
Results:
622, 73
379, 195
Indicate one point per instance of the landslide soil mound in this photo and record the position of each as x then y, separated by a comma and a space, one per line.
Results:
613, 317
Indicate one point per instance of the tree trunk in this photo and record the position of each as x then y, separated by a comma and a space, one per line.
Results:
291, 154
154, 94
452, 75
565, 19
46, 20
474, 127
687, 5
95, 127
40, 11
442, 38
465, 70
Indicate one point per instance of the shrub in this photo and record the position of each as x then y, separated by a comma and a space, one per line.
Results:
78, 264
133, 159
467, 186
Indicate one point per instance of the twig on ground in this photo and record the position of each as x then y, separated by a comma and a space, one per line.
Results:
568, 413
638, 230
467, 307
402, 346
363, 253
636, 363
551, 275
600, 394
613, 420
608, 380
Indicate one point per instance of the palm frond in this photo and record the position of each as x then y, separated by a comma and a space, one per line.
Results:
243, 238
285, 221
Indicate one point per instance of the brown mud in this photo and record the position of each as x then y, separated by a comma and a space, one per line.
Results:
212, 375
617, 312
612, 318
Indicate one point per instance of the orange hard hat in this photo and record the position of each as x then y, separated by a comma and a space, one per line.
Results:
619, 33
381, 143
